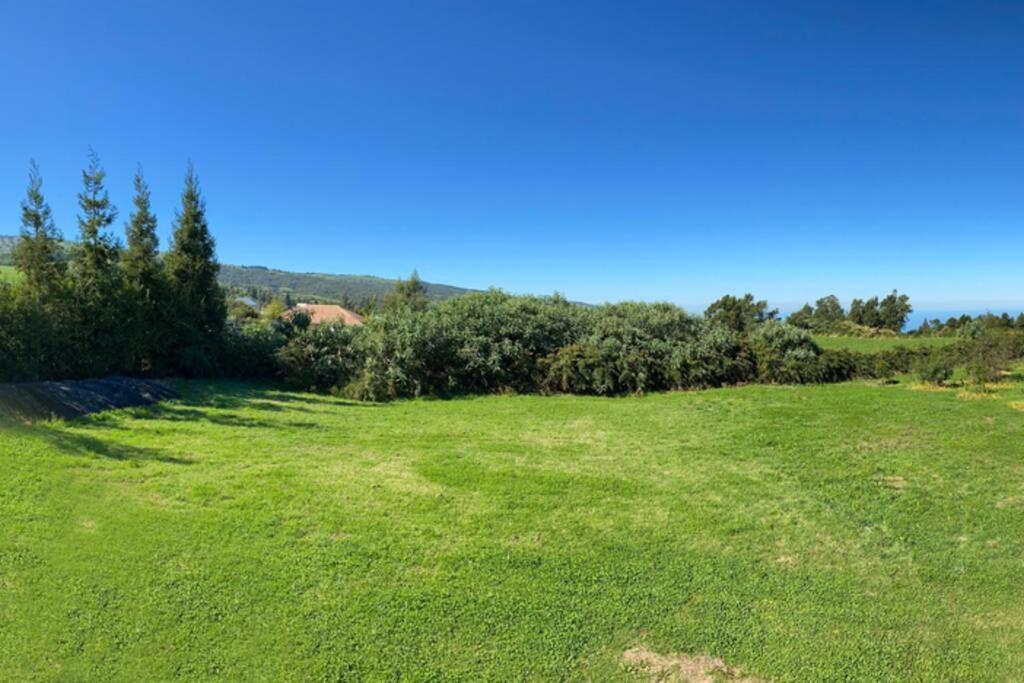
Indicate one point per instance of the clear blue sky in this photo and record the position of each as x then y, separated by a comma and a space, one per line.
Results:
608, 150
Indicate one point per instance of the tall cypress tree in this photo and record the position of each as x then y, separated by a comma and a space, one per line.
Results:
144, 276
97, 253
98, 287
38, 253
41, 297
192, 269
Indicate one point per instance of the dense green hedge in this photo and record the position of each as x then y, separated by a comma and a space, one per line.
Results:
494, 342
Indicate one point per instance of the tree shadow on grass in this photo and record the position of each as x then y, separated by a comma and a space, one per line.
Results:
78, 444
176, 412
270, 397
1015, 375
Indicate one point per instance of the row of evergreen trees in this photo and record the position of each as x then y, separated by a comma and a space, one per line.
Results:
827, 314
98, 306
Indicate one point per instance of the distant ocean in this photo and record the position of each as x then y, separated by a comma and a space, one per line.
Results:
944, 314
930, 313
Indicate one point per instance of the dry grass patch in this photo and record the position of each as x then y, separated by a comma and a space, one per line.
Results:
894, 481
681, 668
922, 386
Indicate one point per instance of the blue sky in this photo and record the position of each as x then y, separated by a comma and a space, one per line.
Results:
608, 150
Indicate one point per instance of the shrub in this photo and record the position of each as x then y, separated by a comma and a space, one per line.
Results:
784, 353
633, 348
836, 365
988, 352
321, 358
250, 349
934, 368
478, 343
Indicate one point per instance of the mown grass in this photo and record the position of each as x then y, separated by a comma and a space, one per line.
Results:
873, 344
9, 274
846, 532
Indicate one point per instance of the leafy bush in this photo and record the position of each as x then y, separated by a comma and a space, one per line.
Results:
321, 358
633, 348
934, 368
784, 354
988, 353
250, 349
478, 343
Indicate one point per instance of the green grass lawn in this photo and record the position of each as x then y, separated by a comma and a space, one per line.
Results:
845, 532
8, 274
872, 344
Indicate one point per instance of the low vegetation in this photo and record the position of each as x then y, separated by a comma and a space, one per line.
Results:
855, 531
96, 307
874, 344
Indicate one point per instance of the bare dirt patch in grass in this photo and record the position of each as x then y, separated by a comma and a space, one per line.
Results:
894, 482
680, 668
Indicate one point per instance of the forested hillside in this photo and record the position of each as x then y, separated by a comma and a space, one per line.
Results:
353, 288
7, 243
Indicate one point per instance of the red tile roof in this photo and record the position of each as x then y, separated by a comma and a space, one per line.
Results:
328, 313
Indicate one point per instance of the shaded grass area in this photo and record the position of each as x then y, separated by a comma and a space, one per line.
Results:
844, 532
872, 344
9, 274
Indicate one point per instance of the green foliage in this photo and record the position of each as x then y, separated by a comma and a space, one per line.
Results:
250, 349
107, 314
828, 312
740, 314
478, 343
889, 314
879, 343
149, 318
634, 348
935, 368
784, 353
802, 318
200, 309
97, 306
322, 358
408, 294
893, 311
989, 353
357, 292
38, 255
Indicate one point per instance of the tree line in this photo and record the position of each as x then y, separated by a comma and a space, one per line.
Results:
827, 315
106, 306
966, 325
492, 342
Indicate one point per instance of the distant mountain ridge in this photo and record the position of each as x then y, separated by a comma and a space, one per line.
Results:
354, 288
7, 243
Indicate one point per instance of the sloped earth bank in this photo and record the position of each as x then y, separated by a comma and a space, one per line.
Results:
31, 402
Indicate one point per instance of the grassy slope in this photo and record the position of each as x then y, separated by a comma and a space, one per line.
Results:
8, 274
853, 532
871, 344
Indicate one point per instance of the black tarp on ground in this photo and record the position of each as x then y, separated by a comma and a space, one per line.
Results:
30, 402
